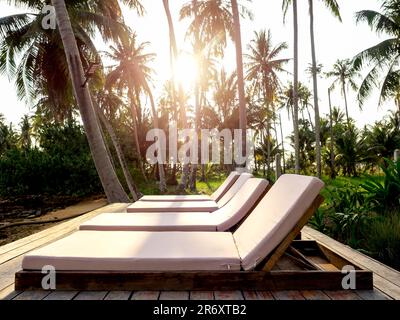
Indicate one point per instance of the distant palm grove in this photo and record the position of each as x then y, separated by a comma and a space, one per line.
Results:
92, 108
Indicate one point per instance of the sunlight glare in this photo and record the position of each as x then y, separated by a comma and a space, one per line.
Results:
186, 71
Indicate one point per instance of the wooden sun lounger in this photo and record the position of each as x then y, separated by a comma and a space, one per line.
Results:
190, 206
216, 196
224, 219
265, 278
252, 240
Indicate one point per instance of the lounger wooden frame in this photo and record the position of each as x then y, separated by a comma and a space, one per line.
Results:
313, 277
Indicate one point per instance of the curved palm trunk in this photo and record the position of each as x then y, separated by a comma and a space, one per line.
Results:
315, 87
161, 172
112, 187
332, 153
121, 158
240, 76
296, 89
136, 135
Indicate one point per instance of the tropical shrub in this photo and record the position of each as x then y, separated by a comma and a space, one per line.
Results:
61, 165
385, 197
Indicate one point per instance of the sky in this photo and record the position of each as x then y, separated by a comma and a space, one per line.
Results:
334, 40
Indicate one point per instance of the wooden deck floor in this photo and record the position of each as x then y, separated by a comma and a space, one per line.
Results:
386, 280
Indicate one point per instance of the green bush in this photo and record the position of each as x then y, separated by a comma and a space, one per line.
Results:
385, 197
62, 165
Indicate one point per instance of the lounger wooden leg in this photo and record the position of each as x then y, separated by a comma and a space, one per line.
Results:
281, 249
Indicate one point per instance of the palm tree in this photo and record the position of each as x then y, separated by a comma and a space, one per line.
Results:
332, 147
385, 56
132, 63
173, 59
34, 56
101, 103
285, 7
26, 133
224, 96
344, 75
110, 182
239, 71
263, 65
334, 8
212, 22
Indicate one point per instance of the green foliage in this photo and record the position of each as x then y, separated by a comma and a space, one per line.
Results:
386, 196
62, 165
364, 213
318, 221
384, 239
348, 214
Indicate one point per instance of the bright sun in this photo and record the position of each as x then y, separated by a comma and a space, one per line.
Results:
186, 71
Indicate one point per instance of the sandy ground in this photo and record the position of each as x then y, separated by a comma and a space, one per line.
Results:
15, 233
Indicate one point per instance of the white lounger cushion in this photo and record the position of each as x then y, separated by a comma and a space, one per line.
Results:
137, 251
188, 206
217, 195
274, 217
221, 220
234, 189
165, 206
180, 198
152, 221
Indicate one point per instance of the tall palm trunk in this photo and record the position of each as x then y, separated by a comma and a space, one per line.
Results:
345, 103
296, 88
161, 172
173, 59
193, 175
240, 76
121, 158
136, 134
112, 186
332, 151
315, 87
310, 118
283, 144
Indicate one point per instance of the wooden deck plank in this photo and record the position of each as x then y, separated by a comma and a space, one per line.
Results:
8, 293
32, 295
372, 295
287, 295
27, 240
174, 295
385, 278
265, 295
61, 295
342, 295
91, 295
7, 272
118, 295
145, 295
314, 295
52, 234
201, 295
228, 295
250, 295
